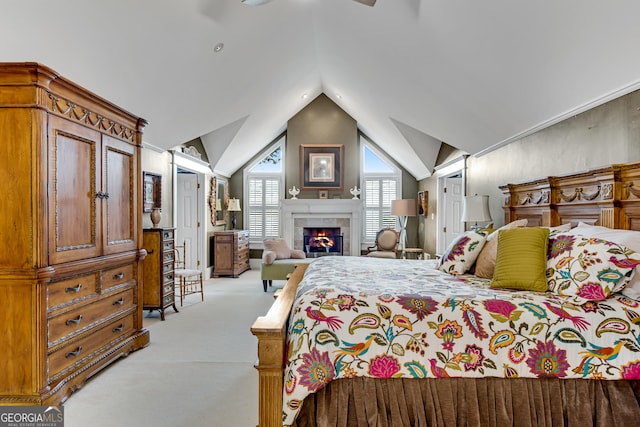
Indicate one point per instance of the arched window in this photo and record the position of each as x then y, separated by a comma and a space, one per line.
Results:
381, 183
264, 181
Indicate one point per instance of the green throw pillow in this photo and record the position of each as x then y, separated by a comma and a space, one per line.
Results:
521, 260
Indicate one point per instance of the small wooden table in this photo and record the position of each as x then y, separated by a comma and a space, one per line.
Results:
417, 253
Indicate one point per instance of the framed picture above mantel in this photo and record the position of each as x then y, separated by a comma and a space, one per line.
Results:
321, 166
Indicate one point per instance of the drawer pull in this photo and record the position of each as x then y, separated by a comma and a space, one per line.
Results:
119, 328
119, 301
74, 290
75, 321
118, 276
150, 251
74, 353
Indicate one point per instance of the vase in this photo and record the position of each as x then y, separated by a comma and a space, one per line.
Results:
155, 216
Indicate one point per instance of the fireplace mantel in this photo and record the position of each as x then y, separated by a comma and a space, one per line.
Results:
321, 209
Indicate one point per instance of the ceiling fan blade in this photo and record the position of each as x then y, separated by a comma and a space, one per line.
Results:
255, 2
367, 2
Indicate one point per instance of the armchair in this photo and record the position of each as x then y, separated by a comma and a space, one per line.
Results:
386, 244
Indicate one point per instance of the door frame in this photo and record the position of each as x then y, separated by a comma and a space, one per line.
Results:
452, 170
200, 169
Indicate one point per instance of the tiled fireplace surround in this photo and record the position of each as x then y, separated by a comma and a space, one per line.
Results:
343, 213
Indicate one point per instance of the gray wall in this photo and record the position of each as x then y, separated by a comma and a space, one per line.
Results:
602, 136
324, 122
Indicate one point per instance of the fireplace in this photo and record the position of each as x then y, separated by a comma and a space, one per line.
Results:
321, 241
343, 213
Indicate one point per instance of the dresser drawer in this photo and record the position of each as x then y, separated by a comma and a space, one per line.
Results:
167, 234
117, 276
79, 351
85, 316
169, 288
243, 256
167, 267
223, 238
243, 238
168, 256
167, 246
168, 279
169, 299
66, 291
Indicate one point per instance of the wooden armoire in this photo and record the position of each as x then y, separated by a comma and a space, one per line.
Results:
71, 241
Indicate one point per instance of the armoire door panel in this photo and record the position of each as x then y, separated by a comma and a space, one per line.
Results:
74, 182
119, 184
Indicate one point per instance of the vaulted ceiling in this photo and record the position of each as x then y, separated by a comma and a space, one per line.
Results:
412, 73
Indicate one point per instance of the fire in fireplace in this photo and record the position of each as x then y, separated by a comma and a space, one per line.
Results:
319, 241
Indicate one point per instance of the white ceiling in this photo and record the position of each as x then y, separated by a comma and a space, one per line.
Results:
472, 73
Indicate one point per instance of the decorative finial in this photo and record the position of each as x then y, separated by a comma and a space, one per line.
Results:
354, 192
294, 192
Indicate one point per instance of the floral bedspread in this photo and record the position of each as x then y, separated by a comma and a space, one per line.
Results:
357, 316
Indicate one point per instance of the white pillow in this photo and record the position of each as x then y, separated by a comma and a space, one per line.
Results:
628, 238
462, 252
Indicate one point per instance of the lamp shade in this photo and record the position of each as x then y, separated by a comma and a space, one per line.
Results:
234, 205
476, 209
403, 207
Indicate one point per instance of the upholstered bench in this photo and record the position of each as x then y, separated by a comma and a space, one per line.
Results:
279, 269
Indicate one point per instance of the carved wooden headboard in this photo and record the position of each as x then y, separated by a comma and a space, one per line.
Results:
607, 196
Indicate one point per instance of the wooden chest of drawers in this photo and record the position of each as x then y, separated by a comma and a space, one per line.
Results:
95, 310
158, 292
89, 315
231, 253
71, 261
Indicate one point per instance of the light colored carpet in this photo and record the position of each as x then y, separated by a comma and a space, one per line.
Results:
197, 370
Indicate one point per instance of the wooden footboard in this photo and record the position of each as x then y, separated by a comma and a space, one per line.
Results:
271, 331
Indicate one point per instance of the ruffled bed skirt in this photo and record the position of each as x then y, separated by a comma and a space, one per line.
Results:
368, 402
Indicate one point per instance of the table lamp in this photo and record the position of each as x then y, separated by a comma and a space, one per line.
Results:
403, 208
234, 206
476, 209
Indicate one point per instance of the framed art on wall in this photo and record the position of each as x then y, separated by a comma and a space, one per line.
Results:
218, 200
423, 202
321, 166
152, 191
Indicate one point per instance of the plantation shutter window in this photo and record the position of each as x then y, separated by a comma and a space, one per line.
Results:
264, 183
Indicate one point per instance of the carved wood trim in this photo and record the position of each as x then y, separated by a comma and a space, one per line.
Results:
609, 196
579, 194
72, 111
630, 190
531, 199
608, 217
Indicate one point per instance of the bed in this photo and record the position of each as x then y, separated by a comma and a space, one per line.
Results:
353, 341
